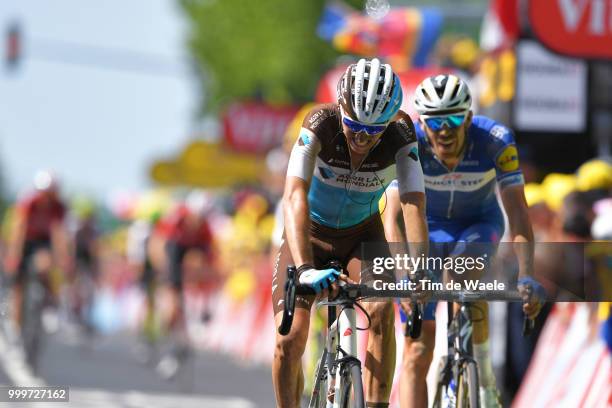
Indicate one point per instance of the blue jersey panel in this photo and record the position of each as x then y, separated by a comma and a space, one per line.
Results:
468, 191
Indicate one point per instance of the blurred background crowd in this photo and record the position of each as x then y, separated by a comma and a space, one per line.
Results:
253, 70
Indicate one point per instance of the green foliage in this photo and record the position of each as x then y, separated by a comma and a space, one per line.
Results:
258, 48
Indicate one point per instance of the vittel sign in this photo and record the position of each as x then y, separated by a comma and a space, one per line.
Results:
577, 28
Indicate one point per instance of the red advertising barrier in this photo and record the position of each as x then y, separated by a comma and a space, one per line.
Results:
253, 127
574, 28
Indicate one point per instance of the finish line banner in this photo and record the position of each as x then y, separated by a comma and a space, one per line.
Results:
569, 272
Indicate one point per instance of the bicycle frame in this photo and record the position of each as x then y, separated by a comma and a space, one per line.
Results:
460, 340
341, 339
345, 330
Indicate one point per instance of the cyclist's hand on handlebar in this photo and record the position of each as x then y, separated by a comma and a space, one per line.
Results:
342, 280
533, 294
318, 279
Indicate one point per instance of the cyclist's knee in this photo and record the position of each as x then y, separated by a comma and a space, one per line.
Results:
43, 260
418, 353
417, 357
291, 347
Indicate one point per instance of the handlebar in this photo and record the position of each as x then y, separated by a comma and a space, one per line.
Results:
357, 291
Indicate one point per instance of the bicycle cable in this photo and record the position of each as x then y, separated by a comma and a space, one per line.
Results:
479, 309
364, 312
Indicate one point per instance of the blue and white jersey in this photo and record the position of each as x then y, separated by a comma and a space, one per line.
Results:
339, 196
467, 193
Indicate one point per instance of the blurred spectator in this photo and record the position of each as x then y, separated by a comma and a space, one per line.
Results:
594, 175
602, 225
540, 214
556, 186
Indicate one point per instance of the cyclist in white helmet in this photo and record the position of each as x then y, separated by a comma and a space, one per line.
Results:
344, 157
464, 159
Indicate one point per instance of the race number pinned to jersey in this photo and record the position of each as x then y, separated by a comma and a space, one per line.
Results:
508, 159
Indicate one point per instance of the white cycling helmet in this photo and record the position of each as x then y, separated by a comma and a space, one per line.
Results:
198, 202
45, 180
370, 92
442, 93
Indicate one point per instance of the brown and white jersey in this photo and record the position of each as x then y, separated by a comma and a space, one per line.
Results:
340, 197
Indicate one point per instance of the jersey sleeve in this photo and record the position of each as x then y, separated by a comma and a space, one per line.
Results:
408, 166
505, 157
409, 171
25, 207
307, 146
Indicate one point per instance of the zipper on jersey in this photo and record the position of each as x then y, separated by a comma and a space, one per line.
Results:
450, 202
351, 175
449, 210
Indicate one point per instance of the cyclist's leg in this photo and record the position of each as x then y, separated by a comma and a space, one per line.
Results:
33, 256
147, 282
418, 353
416, 359
287, 374
175, 254
379, 364
486, 236
18, 294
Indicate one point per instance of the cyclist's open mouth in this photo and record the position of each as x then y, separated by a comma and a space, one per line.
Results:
361, 143
446, 145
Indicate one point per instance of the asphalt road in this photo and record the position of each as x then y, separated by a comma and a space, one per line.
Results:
110, 372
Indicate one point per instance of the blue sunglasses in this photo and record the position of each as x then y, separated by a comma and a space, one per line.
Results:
436, 123
357, 127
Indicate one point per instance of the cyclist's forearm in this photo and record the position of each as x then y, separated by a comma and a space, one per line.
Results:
60, 242
413, 209
522, 238
390, 214
297, 231
17, 239
521, 232
524, 250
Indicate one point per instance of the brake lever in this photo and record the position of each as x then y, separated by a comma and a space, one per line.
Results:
528, 324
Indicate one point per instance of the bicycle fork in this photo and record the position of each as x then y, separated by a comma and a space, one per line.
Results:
459, 343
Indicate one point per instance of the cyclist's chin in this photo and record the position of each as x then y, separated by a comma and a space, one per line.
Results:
359, 148
447, 150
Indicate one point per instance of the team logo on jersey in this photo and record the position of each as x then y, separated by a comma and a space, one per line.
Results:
304, 139
498, 131
508, 159
406, 131
414, 154
326, 173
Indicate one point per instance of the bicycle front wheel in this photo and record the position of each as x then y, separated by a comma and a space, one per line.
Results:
31, 320
467, 393
352, 387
